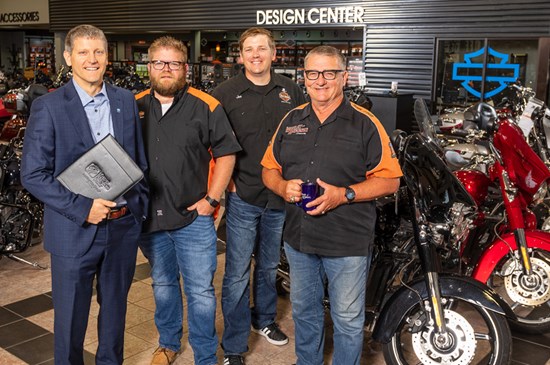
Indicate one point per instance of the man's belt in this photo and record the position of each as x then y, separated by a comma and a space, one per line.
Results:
117, 213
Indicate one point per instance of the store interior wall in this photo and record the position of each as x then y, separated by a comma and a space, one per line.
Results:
8, 41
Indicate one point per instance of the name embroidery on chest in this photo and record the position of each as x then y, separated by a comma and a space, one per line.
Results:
297, 129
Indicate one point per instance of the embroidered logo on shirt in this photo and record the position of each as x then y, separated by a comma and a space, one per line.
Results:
297, 129
159, 212
284, 96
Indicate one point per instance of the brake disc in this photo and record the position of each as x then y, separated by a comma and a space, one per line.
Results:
529, 290
460, 348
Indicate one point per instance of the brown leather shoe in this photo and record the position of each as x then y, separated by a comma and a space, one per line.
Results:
163, 356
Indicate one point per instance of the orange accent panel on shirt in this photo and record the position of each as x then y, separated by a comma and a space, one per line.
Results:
208, 99
389, 164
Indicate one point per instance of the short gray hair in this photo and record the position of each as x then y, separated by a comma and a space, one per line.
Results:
83, 31
328, 51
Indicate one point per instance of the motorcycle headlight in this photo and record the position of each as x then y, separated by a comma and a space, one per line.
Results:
541, 193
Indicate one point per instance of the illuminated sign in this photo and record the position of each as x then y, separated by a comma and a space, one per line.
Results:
499, 73
335, 15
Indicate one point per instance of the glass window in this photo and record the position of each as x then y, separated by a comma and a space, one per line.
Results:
470, 70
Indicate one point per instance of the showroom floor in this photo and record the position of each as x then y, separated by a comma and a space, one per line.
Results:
26, 322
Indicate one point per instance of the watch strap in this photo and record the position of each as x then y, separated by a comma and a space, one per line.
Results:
213, 202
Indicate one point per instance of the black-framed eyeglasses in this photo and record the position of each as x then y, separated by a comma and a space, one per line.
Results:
172, 65
327, 74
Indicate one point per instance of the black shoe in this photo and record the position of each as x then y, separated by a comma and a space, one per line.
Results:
233, 360
273, 334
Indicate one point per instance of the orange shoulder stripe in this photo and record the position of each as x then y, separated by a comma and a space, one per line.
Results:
142, 94
208, 99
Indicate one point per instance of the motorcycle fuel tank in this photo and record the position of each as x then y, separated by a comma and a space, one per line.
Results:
476, 183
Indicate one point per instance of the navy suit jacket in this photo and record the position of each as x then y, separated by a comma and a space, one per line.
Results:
57, 134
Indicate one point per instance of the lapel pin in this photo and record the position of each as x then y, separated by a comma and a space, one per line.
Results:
117, 110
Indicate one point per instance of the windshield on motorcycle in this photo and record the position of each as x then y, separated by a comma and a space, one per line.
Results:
426, 174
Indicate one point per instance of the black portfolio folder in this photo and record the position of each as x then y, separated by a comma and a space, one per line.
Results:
104, 171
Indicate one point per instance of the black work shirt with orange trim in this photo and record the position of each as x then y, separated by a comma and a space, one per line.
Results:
179, 146
348, 148
254, 113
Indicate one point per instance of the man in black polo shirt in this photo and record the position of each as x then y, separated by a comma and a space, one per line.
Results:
345, 149
255, 100
184, 129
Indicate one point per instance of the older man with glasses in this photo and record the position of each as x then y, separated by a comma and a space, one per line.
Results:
184, 129
345, 150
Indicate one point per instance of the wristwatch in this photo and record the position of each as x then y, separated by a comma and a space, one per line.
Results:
213, 202
350, 194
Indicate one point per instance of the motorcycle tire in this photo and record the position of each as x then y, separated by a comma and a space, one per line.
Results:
478, 336
528, 297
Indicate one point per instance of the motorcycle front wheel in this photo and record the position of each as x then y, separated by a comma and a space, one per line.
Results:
475, 335
528, 296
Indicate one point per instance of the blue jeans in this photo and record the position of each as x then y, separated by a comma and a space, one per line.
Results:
191, 251
258, 231
346, 289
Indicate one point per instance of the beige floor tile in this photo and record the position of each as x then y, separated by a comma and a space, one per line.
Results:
8, 359
136, 315
16, 294
44, 320
139, 291
140, 259
134, 345
147, 303
141, 358
146, 331
94, 307
91, 332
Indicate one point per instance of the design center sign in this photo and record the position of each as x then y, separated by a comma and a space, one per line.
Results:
334, 15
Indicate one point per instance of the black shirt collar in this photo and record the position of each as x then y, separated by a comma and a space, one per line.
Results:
179, 94
244, 84
344, 111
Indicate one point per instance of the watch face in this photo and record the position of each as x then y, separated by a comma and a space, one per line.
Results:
350, 194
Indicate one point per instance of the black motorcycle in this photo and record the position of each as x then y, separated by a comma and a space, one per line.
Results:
20, 212
418, 313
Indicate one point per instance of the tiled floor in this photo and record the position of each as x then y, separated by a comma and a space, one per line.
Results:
26, 323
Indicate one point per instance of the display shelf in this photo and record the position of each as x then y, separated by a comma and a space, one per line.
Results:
41, 54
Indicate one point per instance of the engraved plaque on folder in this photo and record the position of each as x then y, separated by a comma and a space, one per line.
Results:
104, 171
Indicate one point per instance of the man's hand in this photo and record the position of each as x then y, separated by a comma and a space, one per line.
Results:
331, 198
203, 207
293, 190
99, 210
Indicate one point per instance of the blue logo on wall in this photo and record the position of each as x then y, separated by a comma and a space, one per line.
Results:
469, 65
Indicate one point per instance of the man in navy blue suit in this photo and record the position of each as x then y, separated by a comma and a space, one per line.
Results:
87, 238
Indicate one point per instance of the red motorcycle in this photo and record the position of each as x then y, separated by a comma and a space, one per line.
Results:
504, 249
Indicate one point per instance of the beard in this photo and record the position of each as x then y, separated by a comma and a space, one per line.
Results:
169, 88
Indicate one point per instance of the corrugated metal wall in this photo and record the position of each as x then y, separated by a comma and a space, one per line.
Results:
401, 34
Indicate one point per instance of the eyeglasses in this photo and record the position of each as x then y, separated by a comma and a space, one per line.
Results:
327, 74
172, 65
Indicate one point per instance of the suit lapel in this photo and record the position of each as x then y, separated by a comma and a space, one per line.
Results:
116, 112
77, 115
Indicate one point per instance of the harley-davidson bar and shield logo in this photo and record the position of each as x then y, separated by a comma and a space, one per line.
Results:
498, 74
